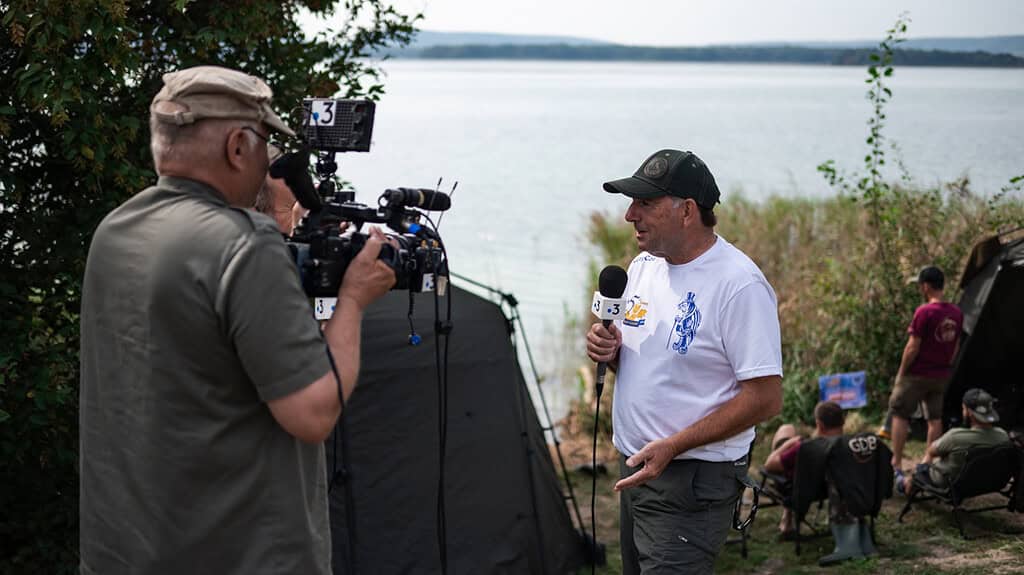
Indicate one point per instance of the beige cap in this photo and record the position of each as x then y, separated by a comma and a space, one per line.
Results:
208, 92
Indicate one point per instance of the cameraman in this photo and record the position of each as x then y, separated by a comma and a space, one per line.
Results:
207, 387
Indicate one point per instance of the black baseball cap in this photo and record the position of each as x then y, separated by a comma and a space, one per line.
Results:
670, 173
981, 405
932, 276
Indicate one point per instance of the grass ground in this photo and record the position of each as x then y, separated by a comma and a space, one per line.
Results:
926, 542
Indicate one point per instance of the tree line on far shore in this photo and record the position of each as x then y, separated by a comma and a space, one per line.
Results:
731, 54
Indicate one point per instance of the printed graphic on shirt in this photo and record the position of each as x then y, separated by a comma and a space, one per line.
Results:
636, 312
863, 447
685, 327
946, 331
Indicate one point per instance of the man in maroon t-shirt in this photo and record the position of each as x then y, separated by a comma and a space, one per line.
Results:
927, 362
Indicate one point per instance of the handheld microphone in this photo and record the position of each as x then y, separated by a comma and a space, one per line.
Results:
293, 168
608, 305
429, 200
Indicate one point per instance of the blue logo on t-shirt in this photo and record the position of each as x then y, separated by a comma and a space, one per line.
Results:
685, 326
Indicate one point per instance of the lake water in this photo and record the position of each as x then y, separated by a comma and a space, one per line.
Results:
530, 144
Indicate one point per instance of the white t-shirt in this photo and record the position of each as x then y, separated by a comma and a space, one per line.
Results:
690, 333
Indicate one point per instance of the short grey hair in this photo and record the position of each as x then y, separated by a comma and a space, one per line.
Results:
707, 215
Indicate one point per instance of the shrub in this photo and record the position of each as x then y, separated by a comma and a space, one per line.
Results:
78, 80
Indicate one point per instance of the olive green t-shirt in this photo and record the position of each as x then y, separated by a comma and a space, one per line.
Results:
192, 319
952, 449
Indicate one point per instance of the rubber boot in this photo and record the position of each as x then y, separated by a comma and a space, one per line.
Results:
847, 536
867, 543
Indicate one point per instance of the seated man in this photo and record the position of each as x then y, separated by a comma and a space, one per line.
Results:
828, 422
945, 457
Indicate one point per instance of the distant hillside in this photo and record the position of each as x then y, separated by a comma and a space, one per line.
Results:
992, 44
425, 39
736, 54
428, 38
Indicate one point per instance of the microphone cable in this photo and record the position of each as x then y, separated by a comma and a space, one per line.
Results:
338, 471
350, 510
442, 331
593, 484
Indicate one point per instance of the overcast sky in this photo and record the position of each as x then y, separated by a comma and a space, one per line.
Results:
695, 22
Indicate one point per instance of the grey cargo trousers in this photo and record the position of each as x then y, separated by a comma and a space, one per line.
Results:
677, 523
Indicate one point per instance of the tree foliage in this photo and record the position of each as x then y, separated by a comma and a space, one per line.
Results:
78, 77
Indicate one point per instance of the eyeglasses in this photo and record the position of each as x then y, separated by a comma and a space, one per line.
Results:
270, 141
742, 524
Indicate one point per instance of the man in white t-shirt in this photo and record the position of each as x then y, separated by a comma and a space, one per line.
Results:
699, 363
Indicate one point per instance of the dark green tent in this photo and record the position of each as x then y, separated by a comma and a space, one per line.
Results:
504, 505
993, 340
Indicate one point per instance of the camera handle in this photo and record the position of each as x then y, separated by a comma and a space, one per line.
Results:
414, 338
326, 167
325, 189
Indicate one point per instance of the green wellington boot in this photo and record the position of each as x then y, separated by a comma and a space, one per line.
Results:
847, 536
867, 543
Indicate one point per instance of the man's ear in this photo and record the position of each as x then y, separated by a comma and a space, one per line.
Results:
690, 209
234, 146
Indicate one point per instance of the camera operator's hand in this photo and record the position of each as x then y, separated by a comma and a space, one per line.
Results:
367, 277
298, 212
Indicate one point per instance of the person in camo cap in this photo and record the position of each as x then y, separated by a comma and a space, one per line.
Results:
945, 457
206, 384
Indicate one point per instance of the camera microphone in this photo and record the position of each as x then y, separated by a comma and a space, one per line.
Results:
293, 168
430, 200
608, 306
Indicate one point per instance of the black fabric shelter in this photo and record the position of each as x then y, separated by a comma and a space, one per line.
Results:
992, 344
505, 511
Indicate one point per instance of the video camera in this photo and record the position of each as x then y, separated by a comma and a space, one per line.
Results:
321, 250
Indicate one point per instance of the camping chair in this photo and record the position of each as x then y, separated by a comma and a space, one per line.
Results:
992, 469
778, 490
859, 467
808, 487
